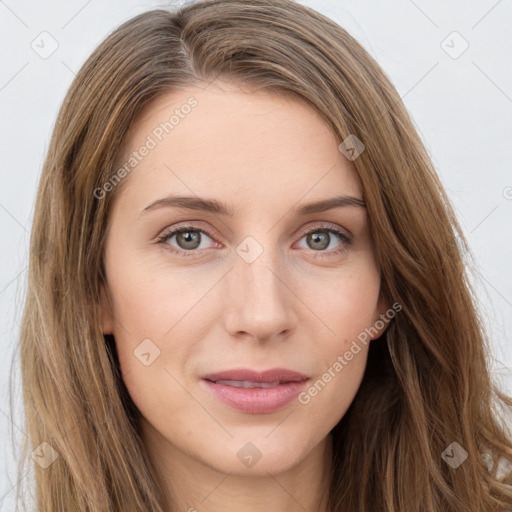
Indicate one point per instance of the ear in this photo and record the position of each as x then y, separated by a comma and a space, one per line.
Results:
107, 318
384, 314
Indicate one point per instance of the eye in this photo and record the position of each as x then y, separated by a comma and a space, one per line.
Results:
188, 238
320, 238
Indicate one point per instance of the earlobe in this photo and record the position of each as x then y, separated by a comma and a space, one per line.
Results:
107, 319
383, 318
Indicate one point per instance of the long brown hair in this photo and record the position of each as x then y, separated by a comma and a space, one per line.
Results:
427, 384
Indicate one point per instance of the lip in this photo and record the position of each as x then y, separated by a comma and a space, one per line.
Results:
256, 400
272, 375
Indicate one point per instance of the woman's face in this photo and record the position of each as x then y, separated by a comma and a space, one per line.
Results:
262, 283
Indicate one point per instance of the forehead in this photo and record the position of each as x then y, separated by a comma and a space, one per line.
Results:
225, 141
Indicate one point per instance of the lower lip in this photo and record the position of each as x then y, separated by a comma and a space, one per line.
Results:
256, 400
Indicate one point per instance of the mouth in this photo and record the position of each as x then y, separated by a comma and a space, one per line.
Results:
255, 392
271, 376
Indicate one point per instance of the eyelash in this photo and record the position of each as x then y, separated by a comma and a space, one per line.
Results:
345, 240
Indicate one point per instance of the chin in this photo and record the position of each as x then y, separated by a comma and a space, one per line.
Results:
256, 455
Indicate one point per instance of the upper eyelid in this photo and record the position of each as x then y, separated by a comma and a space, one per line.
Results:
167, 233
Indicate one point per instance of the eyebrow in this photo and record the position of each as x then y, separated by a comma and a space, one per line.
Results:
219, 208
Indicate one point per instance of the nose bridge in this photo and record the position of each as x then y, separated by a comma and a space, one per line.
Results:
259, 299
263, 276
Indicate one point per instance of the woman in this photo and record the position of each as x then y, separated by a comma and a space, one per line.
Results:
247, 285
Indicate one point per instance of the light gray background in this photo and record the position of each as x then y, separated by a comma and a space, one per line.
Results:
461, 104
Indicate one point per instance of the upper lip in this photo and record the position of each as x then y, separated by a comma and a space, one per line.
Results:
243, 374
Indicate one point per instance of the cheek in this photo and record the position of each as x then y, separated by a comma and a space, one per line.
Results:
346, 301
150, 299
343, 363
348, 305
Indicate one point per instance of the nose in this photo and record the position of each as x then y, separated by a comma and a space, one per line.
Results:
260, 303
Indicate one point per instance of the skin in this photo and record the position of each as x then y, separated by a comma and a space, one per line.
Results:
263, 155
